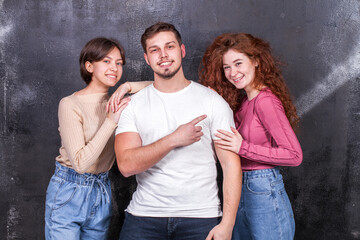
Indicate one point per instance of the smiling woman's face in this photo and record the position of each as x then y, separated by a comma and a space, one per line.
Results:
239, 69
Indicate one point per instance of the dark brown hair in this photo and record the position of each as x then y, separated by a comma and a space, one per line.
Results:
156, 28
95, 50
267, 73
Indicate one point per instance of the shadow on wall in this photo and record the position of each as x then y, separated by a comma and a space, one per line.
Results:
122, 189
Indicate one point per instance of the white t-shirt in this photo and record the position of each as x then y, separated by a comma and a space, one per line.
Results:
183, 183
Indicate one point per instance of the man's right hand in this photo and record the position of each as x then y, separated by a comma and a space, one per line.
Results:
188, 133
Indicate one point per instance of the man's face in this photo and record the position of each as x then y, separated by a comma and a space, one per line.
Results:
164, 54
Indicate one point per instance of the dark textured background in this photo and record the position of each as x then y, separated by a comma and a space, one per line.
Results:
40, 42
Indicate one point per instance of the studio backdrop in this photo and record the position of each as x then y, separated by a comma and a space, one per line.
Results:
40, 42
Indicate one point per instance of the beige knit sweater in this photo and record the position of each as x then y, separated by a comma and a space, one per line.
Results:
87, 135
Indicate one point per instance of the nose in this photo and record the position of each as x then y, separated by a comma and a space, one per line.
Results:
113, 67
233, 72
163, 53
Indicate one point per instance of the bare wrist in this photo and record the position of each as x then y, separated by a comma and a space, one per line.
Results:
171, 140
129, 86
227, 224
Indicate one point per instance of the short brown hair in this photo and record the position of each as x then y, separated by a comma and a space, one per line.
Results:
94, 51
156, 28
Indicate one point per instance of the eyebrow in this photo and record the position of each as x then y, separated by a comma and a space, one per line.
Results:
239, 59
119, 59
165, 44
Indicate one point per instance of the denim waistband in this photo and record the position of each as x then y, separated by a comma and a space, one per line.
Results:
71, 175
275, 172
87, 179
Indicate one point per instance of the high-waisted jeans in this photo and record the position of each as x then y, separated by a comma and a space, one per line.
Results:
78, 206
264, 210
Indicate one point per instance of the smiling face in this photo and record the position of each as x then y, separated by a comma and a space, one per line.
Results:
239, 70
106, 72
164, 54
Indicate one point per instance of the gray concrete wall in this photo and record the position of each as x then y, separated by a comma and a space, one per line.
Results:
40, 41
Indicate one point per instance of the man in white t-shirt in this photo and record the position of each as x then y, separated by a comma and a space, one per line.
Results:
165, 137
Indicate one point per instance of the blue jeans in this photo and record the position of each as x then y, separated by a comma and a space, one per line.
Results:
166, 228
78, 206
264, 210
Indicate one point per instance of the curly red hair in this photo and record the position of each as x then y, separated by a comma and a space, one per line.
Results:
267, 73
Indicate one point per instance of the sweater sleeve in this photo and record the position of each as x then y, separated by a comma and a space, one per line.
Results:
287, 150
81, 154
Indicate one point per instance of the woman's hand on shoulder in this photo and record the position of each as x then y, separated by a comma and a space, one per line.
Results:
115, 99
212, 89
115, 115
229, 141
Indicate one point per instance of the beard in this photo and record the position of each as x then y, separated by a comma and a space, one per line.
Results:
167, 74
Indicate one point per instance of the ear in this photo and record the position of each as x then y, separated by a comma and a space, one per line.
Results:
89, 67
183, 52
146, 59
255, 62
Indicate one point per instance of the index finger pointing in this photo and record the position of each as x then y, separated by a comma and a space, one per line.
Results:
198, 119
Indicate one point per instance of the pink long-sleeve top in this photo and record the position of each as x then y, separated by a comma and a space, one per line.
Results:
268, 139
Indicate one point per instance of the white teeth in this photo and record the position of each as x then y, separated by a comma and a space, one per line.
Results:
165, 63
238, 79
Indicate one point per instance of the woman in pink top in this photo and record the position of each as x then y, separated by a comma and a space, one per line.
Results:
241, 68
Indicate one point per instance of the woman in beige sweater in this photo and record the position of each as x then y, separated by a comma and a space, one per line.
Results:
78, 198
